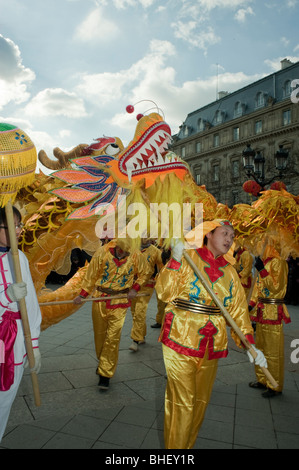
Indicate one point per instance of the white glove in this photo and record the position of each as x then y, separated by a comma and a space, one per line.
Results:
260, 359
177, 249
17, 291
37, 360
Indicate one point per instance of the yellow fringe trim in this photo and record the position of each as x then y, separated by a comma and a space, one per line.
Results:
17, 170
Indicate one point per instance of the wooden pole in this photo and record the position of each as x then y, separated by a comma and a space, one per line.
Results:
92, 299
22, 302
228, 318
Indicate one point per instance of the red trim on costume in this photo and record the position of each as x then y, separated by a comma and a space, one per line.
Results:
118, 262
250, 339
259, 317
174, 264
264, 273
84, 294
136, 286
151, 284
248, 285
114, 306
208, 331
239, 253
213, 270
5, 283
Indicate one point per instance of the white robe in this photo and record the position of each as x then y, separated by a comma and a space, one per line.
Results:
34, 317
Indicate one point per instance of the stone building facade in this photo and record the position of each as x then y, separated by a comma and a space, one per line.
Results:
264, 114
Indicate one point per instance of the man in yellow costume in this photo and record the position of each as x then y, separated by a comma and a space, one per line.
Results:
243, 266
112, 271
194, 333
139, 305
269, 312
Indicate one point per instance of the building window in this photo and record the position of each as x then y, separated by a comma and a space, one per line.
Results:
235, 169
258, 127
216, 140
216, 171
238, 109
219, 117
198, 179
286, 117
236, 133
200, 125
186, 131
286, 90
198, 147
183, 152
260, 100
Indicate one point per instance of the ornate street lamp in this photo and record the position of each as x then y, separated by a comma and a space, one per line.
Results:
254, 165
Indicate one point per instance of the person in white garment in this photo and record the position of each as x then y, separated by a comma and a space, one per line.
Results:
13, 356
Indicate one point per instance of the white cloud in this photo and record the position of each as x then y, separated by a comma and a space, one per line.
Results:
243, 13
211, 4
108, 87
13, 74
56, 102
201, 39
285, 41
122, 4
95, 27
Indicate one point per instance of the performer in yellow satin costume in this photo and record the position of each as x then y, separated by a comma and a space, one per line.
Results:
269, 312
243, 267
194, 333
111, 271
152, 256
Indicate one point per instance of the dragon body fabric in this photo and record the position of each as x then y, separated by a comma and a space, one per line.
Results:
106, 190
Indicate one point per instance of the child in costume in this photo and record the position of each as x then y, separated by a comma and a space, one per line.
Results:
13, 356
269, 312
194, 333
139, 305
112, 270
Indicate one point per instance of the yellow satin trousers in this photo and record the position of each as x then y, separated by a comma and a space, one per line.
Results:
189, 386
270, 340
107, 326
139, 308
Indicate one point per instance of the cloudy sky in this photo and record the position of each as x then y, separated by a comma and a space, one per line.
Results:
69, 68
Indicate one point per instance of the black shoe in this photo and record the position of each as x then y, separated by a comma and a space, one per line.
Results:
269, 393
156, 325
257, 385
104, 383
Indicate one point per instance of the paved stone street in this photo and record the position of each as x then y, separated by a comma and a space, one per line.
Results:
74, 414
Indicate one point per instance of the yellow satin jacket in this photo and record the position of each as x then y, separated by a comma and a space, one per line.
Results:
243, 267
269, 291
108, 272
191, 333
152, 255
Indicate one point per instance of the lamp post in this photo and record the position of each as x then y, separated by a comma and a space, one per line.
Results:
254, 165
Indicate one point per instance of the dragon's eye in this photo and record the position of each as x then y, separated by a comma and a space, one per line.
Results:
112, 149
